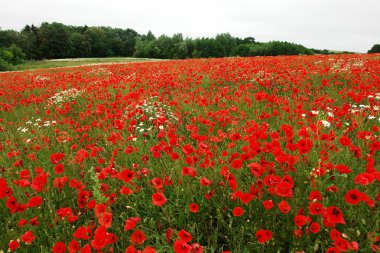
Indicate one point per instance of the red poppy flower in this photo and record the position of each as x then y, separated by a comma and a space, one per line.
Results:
205, 182
158, 199
236, 164
353, 246
168, 234
184, 236
105, 219
341, 244
138, 237
124, 190
126, 175
189, 171
131, 249
364, 178
5, 192
334, 215
128, 150
300, 220
149, 249
34, 201
59, 247
131, 223
345, 141
335, 234
11, 203
39, 182
246, 198
59, 182
22, 222
314, 227
333, 250
193, 207
284, 207
73, 246
56, 157
316, 208
86, 249
181, 247
100, 238
83, 233
284, 189
59, 169
353, 197
315, 195
343, 169
238, 211
81, 155
268, 204
13, 245
99, 209
263, 235
256, 169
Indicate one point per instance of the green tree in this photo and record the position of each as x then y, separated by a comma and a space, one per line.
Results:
374, 49
243, 50
79, 45
8, 37
97, 38
54, 40
29, 42
226, 43
18, 56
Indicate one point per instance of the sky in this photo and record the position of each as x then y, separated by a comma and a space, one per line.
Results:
344, 25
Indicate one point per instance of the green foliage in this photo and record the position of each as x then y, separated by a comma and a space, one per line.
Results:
56, 41
79, 46
18, 56
10, 56
272, 48
374, 49
4, 65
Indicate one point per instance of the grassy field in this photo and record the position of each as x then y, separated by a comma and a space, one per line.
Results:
45, 64
228, 155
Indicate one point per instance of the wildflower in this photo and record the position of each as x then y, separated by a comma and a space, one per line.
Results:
263, 235
131, 223
184, 236
158, 199
325, 123
193, 207
238, 211
353, 197
138, 237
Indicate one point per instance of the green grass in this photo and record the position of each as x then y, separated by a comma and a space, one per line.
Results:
45, 64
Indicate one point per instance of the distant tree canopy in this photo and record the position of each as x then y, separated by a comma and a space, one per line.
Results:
374, 49
56, 40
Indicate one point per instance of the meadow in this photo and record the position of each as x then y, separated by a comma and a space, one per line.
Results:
58, 63
264, 154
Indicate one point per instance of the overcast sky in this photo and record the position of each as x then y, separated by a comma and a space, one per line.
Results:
352, 25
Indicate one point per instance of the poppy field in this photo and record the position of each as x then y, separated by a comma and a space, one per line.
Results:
265, 154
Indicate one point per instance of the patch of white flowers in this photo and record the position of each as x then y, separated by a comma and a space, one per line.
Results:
41, 78
325, 123
35, 123
152, 115
100, 71
345, 65
262, 76
64, 96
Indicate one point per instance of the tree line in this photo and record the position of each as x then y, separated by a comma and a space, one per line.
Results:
56, 40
